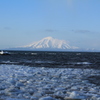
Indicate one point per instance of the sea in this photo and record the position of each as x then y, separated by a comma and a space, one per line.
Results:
52, 59
49, 75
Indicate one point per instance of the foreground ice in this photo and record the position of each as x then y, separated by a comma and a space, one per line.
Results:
31, 83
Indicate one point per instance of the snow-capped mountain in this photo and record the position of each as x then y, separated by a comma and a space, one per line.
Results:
49, 43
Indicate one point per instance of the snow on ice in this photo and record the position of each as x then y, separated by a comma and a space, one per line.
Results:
31, 83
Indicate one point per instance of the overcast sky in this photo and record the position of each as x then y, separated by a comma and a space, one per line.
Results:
25, 21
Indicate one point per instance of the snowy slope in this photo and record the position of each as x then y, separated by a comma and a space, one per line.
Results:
50, 43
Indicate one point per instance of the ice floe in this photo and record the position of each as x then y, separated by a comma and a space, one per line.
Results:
32, 83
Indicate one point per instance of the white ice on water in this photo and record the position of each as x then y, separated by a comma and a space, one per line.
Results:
31, 83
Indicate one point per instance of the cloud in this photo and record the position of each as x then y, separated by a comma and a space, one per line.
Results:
82, 31
7, 28
50, 30
70, 3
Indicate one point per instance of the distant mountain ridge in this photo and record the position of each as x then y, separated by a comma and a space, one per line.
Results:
48, 43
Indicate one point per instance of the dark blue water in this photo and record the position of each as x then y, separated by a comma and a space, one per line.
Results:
53, 59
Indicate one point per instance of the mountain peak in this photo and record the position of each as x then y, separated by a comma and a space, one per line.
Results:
49, 43
49, 38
